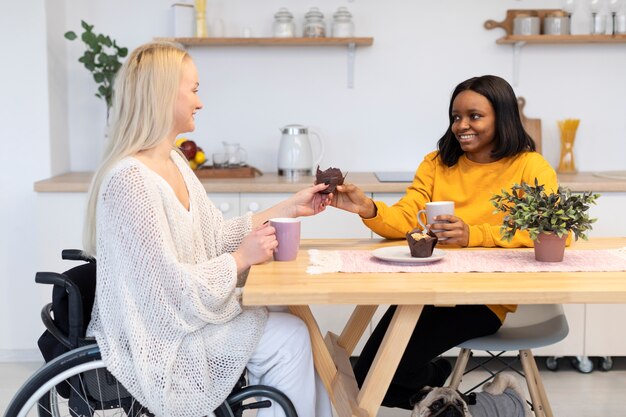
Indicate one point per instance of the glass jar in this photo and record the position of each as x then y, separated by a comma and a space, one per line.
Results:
314, 26
342, 24
283, 25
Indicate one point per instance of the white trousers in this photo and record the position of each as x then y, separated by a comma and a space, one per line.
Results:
283, 360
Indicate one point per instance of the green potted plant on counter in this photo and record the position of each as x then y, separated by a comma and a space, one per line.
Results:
102, 58
548, 218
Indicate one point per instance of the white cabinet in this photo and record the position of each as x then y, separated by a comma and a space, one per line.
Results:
227, 203
608, 210
605, 333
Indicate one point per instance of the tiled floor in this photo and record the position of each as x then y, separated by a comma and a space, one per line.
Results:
572, 394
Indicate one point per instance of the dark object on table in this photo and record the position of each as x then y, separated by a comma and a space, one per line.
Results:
243, 171
332, 176
421, 244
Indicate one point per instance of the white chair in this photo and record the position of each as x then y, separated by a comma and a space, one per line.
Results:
531, 326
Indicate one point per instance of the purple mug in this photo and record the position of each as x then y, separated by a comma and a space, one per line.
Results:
288, 236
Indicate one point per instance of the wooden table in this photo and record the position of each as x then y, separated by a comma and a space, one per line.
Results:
288, 283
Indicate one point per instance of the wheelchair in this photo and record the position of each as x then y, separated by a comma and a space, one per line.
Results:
74, 382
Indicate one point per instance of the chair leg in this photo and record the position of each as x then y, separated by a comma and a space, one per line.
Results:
527, 359
540, 387
459, 368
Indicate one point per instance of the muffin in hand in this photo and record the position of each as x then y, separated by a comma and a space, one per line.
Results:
332, 176
421, 244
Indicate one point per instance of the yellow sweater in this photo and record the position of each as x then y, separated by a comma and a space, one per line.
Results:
470, 185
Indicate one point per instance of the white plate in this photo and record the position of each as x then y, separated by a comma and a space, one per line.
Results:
403, 254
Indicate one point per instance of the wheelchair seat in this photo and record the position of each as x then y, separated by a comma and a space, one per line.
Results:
75, 382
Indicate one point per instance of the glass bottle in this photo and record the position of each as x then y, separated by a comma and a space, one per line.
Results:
342, 27
283, 25
314, 26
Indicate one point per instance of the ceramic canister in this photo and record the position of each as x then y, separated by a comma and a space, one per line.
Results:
556, 25
525, 24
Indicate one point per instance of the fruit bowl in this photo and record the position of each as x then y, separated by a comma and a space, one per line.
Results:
194, 154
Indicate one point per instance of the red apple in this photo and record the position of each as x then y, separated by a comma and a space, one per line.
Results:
189, 149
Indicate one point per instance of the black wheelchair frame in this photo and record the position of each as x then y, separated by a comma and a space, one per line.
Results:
75, 382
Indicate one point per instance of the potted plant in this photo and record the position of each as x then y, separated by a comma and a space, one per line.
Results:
102, 58
548, 218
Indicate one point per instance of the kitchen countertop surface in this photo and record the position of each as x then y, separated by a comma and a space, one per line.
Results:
78, 182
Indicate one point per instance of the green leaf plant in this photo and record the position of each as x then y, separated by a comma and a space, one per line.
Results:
102, 58
530, 208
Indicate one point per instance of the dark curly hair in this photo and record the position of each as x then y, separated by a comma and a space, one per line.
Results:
510, 137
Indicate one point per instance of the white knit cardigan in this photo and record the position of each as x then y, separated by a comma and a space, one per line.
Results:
167, 315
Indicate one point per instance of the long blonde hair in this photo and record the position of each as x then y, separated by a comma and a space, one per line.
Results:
142, 114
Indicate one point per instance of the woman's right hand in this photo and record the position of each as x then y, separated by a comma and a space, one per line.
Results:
349, 197
257, 247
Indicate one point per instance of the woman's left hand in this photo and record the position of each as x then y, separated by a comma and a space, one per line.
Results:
309, 201
456, 230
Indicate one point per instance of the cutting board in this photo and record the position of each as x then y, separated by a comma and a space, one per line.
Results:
532, 126
239, 172
507, 23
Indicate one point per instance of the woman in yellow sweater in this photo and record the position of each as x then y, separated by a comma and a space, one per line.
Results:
484, 150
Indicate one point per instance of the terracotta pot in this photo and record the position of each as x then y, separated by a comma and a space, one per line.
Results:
549, 247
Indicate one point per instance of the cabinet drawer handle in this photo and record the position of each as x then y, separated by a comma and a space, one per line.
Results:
224, 207
253, 207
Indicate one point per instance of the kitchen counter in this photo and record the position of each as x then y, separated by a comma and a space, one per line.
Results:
78, 182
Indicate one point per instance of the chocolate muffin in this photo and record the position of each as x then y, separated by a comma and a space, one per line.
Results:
332, 176
421, 244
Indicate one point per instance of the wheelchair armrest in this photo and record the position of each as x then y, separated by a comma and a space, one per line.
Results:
75, 303
46, 318
76, 255
52, 278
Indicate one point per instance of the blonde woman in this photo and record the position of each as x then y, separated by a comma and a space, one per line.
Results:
167, 316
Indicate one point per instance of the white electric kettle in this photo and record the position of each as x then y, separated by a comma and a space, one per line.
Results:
295, 155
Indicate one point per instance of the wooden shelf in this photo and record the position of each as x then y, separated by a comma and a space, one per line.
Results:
271, 41
349, 43
561, 39
518, 42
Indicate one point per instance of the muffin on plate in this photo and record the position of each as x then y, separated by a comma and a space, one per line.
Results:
420, 243
332, 176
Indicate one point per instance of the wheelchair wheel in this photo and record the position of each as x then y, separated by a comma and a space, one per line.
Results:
265, 397
75, 384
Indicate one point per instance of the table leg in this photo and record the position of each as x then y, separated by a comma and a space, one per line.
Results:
353, 331
341, 386
388, 357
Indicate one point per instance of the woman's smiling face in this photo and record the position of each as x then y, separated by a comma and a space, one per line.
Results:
187, 100
474, 125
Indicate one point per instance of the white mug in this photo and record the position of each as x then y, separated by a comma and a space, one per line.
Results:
434, 209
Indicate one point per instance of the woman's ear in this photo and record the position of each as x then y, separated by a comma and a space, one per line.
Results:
416, 398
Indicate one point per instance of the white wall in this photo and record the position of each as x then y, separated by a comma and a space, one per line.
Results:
52, 122
24, 126
397, 110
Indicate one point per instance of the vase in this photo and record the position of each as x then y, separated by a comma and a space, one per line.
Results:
549, 247
568, 129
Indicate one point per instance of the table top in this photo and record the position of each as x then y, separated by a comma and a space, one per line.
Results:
288, 283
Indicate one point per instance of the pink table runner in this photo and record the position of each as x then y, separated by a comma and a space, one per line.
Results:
482, 260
